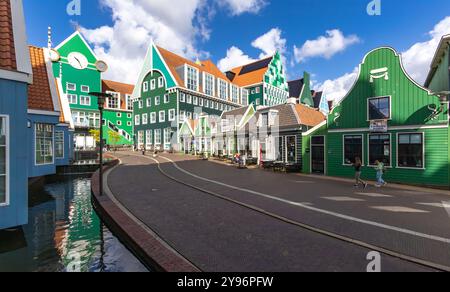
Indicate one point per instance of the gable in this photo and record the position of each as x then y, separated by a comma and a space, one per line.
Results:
275, 73
76, 43
381, 74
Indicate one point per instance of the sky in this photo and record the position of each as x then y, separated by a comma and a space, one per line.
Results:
327, 38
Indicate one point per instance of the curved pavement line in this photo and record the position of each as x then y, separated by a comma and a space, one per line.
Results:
302, 225
140, 223
334, 214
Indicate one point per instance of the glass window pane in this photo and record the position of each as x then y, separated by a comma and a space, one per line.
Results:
2, 189
2, 160
2, 132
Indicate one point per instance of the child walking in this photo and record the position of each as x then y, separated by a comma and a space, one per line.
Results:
380, 172
358, 171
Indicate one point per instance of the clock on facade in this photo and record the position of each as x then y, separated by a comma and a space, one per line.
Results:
77, 60
101, 66
54, 55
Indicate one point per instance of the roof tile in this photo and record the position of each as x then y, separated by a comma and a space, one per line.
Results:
7, 48
39, 94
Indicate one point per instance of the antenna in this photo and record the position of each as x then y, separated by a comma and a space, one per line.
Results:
49, 37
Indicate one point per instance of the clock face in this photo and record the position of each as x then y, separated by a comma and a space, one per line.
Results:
101, 66
54, 55
78, 61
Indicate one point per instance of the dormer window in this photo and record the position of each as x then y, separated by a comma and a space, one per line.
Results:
234, 93
208, 84
223, 92
192, 78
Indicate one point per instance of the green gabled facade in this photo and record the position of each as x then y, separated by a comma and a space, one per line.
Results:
75, 66
171, 89
387, 116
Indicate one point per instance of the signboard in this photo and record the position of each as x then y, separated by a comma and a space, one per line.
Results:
379, 126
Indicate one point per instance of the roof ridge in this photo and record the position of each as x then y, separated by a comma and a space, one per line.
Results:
251, 63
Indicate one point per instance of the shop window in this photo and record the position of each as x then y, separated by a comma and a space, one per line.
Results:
379, 108
380, 149
410, 150
353, 147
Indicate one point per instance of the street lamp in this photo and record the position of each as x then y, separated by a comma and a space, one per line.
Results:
101, 98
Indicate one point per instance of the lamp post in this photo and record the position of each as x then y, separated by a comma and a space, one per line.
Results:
101, 98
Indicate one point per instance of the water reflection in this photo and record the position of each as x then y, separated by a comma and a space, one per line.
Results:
64, 234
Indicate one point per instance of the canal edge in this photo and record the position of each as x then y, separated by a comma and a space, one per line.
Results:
152, 250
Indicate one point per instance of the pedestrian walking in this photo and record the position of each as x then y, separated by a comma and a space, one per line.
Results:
358, 171
380, 169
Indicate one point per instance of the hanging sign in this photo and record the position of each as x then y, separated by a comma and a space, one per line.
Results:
379, 126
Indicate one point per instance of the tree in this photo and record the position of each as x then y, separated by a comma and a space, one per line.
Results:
96, 134
114, 137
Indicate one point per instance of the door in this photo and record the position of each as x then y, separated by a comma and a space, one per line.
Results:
318, 154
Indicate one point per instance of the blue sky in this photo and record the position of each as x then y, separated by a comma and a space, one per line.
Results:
209, 28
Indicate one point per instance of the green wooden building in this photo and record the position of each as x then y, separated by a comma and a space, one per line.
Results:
78, 72
389, 117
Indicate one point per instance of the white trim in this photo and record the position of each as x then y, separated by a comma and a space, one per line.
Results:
63, 143
7, 165
53, 145
23, 60
315, 128
438, 55
423, 151
397, 128
16, 76
379, 97
51, 81
82, 38
65, 106
362, 149
44, 113
391, 163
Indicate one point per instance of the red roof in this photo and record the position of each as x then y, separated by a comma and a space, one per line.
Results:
7, 48
122, 88
39, 93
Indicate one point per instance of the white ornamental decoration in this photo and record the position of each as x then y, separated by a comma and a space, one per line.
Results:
379, 73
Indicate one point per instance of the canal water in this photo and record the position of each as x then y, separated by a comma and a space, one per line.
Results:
64, 234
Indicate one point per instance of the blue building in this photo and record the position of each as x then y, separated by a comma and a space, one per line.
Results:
15, 76
49, 135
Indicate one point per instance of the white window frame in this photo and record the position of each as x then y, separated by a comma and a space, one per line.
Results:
144, 119
137, 120
129, 124
189, 99
141, 139
182, 116
171, 115
390, 150
153, 118
83, 89
223, 83
70, 98
166, 98
118, 115
116, 97
167, 131
160, 82
362, 149
182, 97
148, 138
186, 78
379, 97
195, 100
7, 161
35, 147
85, 100
153, 84
141, 104
157, 100
423, 150
119, 123
63, 145
69, 84
148, 102
200, 101
158, 134
162, 114
129, 102
205, 82
145, 86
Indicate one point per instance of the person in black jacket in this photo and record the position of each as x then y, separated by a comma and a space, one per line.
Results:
358, 171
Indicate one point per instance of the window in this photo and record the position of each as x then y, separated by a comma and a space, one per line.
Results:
73, 99
162, 116
148, 138
221, 107
71, 86
145, 86
129, 101
172, 115
137, 120
160, 82
144, 119
153, 84
209, 84
85, 88
244, 97
192, 78
119, 115
167, 136
94, 120
223, 89
59, 144
200, 101
114, 100
182, 116
166, 98
149, 102
129, 116
216, 105
206, 103
182, 97
79, 119
196, 115
152, 118
257, 90
85, 100
129, 124
380, 149
4, 148
195, 100
353, 147
157, 100
234, 93
410, 150
44, 144
158, 137
379, 108
141, 138
189, 115
141, 104
189, 99
119, 123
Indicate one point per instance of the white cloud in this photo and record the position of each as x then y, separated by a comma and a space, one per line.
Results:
270, 42
174, 25
325, 46
417, 59
238, 7
235, 57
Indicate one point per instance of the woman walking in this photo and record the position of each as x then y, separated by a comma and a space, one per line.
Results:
358, 171
380, 172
